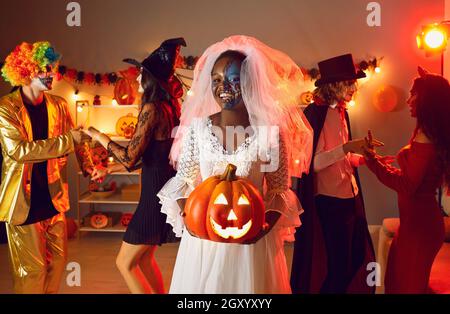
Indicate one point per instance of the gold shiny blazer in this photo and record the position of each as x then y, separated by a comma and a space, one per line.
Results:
20, 152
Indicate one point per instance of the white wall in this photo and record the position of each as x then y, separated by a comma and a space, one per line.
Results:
306, 30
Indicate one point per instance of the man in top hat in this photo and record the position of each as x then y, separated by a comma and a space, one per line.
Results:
333, 246
36, 136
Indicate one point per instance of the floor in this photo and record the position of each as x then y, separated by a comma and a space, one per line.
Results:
96, 252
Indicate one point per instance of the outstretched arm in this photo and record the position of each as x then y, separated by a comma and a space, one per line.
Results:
404, 180
21, 150
130, 155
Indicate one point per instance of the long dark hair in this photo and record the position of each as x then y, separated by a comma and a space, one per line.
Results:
153, 91
433, 113
168, 106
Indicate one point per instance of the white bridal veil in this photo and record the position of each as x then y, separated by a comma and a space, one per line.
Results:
271, 85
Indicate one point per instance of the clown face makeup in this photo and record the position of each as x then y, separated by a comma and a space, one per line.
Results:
226, 82
43, 81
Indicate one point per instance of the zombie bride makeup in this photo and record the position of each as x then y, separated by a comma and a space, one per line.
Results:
226, 82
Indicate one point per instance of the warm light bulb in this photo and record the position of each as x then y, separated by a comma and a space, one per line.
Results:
352, 103
80, 108
110, 159
435, 38
190, 93
114, 102
377, 70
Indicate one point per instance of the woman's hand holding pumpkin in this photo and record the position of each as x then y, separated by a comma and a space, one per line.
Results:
271, 219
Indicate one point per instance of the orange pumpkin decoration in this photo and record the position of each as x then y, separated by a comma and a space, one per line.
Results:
385, 98
125, 219
126, 89
225, 208
99, 221
126, 125
306, 98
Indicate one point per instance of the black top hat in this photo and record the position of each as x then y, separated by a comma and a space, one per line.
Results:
160, 63
338, 69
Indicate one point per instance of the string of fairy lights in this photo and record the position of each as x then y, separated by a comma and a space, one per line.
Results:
77, 79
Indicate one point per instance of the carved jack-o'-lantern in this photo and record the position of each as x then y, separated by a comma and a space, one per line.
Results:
125, 220
225, 208
126, 125
129, 130
125, 91
306, 98
99, 221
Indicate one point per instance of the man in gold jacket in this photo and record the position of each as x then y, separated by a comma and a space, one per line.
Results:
36, 135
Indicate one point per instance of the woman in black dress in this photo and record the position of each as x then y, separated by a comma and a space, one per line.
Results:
148, 149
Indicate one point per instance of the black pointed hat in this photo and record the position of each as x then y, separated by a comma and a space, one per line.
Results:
338, 69
160, 63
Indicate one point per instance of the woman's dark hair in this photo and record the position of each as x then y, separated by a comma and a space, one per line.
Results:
168, 106
153, 92
232, 54
433, 113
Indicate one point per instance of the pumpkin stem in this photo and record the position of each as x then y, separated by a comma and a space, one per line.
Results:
229, 173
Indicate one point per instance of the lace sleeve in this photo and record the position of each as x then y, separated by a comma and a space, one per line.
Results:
279, 197
130, 155
182, 184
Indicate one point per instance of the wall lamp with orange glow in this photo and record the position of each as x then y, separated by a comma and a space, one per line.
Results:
433, 38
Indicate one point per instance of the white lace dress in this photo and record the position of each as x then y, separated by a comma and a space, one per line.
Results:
204, 266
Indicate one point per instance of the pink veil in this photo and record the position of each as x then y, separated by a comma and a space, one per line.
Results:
271, 85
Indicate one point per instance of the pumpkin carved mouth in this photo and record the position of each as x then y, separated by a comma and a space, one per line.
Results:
233, 232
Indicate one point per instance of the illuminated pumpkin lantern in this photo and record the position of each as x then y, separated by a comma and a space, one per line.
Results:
225, 208
306, 98
126, 88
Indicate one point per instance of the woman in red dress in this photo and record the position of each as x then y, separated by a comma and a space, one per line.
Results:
423, 164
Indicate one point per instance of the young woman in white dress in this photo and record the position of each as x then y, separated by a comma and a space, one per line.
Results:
239, 82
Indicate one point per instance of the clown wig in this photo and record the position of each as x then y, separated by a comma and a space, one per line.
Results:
27, 60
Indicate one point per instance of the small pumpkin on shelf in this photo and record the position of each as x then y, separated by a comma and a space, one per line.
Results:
99, 220
126, 125
125, 219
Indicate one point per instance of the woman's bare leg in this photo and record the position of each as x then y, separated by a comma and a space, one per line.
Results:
151, 271
127, 262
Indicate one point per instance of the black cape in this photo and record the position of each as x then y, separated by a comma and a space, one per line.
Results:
309, 264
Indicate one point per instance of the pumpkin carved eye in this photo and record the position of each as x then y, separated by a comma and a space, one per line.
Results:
221, 200
243, 200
